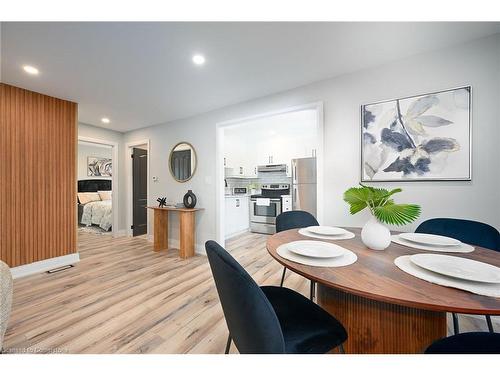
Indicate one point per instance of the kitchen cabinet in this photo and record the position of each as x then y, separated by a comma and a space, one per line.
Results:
243, 155
237, 216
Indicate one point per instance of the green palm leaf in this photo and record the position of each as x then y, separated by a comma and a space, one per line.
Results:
397, 214
357, 199
380, 203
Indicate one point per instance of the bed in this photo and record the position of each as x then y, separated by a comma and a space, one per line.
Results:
96, 212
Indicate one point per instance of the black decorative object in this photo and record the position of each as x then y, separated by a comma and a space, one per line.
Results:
162, 202
189, 199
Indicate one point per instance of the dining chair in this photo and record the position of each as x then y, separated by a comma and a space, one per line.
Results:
269, 319
292, 220
467, 343
468, 231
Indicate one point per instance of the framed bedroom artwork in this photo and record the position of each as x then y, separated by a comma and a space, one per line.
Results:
97, 166
418, 138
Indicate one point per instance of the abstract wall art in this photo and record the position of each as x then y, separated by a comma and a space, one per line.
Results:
418, 138
99, 166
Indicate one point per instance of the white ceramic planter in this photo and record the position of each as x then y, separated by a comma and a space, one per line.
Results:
375, 235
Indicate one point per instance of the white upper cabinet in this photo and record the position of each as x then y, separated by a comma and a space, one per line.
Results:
273, 140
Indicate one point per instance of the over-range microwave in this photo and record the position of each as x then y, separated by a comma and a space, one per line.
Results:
239, 190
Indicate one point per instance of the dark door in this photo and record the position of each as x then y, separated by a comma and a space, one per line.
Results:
140, 191
181, 164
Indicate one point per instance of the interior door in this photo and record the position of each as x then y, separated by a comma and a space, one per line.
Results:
140, 191
181, 164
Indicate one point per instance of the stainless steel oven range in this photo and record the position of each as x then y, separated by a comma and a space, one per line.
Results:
265, 207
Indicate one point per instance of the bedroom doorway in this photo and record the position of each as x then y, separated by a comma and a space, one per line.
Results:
96, 187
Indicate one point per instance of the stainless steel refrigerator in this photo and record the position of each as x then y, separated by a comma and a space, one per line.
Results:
304, 185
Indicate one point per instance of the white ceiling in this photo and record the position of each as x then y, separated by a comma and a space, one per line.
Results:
140, 74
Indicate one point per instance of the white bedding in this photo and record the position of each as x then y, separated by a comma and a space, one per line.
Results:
97, 213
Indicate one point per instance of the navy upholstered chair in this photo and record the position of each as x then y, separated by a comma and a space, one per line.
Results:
467, 343
468, 231
269, 319
292, 220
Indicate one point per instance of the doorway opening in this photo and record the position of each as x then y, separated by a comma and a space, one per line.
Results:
97, 189
268, 164
138, 169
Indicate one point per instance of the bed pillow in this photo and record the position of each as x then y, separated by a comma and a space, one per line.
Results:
105, 195
85, 198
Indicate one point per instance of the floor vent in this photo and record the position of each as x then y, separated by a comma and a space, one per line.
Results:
60, 269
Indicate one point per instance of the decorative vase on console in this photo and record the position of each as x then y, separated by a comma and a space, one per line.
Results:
375, 235
189, 199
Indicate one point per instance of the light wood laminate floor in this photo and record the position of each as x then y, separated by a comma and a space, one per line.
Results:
124, 298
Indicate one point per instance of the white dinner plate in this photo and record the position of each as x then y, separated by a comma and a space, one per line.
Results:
430, 239
460, 268
462, 248
346, 236
326, 231
315, 249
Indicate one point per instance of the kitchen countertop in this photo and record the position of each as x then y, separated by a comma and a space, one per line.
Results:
236, 195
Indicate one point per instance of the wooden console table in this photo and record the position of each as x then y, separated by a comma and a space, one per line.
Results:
186, 232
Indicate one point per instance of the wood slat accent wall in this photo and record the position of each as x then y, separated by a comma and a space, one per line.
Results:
38, 138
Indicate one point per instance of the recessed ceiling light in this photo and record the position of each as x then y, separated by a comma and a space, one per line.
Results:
30, 69
105, 120
199, 59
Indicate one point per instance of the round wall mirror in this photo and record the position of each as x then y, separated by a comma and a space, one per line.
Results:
182, 161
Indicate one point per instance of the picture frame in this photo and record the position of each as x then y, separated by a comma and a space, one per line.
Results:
99, 166
424, 137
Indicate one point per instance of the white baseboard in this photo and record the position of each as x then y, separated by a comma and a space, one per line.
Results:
44, 265
121, 233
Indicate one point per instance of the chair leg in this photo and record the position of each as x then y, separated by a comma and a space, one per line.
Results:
228, 344
341, 349
283, 276
312, 293
456, 328
490, 324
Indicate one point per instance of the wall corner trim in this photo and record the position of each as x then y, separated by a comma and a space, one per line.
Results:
44, 265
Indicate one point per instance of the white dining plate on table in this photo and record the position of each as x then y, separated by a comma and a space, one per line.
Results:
315, 249
326, 231
430, 239
462, 248
460, 268
347, 235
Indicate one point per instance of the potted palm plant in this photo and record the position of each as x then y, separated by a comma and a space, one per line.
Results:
383, 209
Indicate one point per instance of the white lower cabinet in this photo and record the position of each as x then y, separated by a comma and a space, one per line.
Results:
237, 218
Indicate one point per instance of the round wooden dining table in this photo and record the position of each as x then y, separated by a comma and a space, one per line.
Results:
384, 309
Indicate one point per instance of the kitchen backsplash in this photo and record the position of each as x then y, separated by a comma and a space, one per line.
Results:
263, 178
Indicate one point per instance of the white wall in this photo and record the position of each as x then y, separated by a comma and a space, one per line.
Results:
476, 63
87, 149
